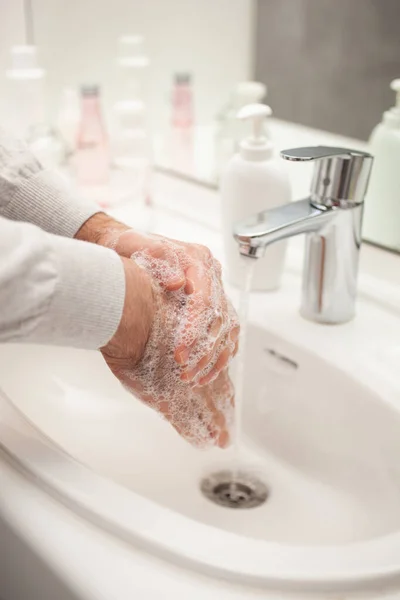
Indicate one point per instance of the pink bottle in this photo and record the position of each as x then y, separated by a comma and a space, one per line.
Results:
92, 159
182, 101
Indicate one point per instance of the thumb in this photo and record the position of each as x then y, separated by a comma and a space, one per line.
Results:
131, 242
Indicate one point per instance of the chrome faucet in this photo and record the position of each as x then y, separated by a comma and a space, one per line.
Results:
331, 217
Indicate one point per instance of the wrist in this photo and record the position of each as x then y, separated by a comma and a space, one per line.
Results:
100, 229
127, 345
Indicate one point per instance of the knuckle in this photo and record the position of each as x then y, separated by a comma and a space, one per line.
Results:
204, 251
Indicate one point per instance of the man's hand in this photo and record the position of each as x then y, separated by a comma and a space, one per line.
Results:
141, 355
181, 370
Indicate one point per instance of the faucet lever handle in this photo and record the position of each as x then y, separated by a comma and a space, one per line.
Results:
341, 175
316, 152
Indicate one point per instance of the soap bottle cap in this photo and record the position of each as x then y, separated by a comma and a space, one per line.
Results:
257, 146
392, 116
249, 92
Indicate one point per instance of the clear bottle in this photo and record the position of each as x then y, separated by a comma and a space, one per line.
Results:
382, 204
131, 139
132, 68
26, 98
92, 160
27, 107
182, 102
254, 180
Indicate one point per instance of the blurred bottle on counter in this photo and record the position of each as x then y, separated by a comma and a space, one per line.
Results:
68, 118
182, 102
132, 68
132, 151
382, 203
92, 160
230, 131
26, 106
179, 150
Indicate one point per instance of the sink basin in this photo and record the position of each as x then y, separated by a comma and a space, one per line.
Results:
321, 430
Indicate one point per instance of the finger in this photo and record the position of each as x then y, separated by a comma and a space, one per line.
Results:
218, 268
216, 331
173, 276
198, 281
208, 358
221, 386
209, 302
224, 400
182, 354
221, 363
131, 242
224, 440
218, 423
234, 334
199, 432
215, 327
190, 331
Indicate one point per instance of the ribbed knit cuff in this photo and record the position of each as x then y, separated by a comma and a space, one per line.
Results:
88, 300
49, 201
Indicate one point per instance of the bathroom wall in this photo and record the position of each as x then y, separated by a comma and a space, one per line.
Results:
328, 63
77, 40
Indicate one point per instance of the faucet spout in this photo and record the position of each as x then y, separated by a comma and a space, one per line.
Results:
256, 233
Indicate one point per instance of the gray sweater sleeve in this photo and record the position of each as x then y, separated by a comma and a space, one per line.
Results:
52, 289
31, 194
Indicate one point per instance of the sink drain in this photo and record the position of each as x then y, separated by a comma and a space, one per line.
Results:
234, 490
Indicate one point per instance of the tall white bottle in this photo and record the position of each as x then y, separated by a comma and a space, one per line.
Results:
382, 204
254, 180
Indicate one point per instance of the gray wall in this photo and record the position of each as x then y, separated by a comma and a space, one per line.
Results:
328, 63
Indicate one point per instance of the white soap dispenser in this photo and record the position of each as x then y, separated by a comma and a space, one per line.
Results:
254, 180
382, 203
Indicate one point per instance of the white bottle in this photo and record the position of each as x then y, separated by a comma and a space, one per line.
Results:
254, 180
382, 204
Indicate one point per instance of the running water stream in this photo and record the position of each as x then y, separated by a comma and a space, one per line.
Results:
239, 374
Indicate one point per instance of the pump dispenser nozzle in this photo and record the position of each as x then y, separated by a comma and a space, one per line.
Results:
395, 86
392, 116
257, 146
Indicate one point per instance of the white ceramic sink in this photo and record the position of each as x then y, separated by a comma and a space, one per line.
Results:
322, 430
322, 425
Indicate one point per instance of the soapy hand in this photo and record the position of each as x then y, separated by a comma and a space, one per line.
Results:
181, 266
180, 369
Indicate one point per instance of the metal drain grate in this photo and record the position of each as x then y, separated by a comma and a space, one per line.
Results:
234, 490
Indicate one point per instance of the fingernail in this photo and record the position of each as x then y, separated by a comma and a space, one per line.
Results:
189, 287
183, 356
208, 378
224, 440
234, 335
176, 282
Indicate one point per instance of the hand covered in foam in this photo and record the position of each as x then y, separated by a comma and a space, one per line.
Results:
182, 372
209, 334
